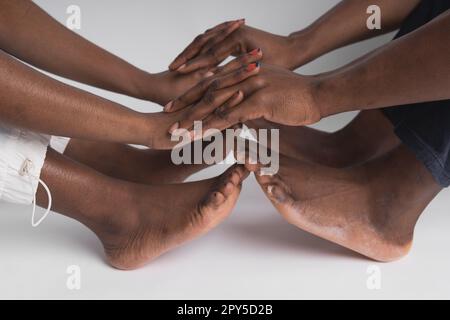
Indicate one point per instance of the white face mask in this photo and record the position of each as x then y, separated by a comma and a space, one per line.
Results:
25, 171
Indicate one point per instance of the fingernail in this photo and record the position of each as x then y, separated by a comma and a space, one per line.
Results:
270, 190
168, 106
181, 67
209, 74
252, 66
255, 52
174, 127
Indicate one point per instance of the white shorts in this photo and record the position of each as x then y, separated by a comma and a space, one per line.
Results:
22, 155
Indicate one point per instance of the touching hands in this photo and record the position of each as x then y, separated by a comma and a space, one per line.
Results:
240, 91
165, 86
233, 39
272, 93
157, 124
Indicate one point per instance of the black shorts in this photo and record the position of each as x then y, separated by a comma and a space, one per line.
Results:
425, 127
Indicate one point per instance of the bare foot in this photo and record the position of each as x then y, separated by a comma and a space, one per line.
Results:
167, 216
371, 209
135, 222
368, 136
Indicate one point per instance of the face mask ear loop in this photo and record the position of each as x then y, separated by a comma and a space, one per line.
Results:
49, 196
25, 171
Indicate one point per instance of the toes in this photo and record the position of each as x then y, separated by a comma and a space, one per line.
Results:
241, 172
277, 193
275, 189
232, 180
227, 185
264, 179
236, 174
216, 199
247, 157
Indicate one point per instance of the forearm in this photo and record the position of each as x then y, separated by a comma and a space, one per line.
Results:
31, 100
411, 69
30, 34
346, 24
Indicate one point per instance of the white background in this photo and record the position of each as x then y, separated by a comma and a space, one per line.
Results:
253, 255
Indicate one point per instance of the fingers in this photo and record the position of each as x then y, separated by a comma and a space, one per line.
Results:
243, 60
220, 32
226, 98
214, 83
212, 57
218, 37
225, 116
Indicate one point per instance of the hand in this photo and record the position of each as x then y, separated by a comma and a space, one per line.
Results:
234, 38
165, 86
272, 93
234, 71
158, 138
157, 123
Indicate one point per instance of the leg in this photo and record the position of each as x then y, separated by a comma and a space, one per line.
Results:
136, 223
129, 163
371, 208
368, 136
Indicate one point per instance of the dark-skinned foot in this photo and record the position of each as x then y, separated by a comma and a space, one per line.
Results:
371, 208
368, 136
166, 216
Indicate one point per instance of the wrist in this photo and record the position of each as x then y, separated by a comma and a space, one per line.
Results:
328, 92
145, 85
303, 46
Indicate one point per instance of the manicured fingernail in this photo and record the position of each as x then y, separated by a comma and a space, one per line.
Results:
255, 52
252, 66
174, 127
181, 67
168, 106
209, 74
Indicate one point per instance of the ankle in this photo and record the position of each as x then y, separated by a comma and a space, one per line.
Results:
118, 212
